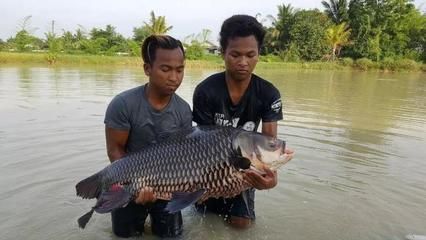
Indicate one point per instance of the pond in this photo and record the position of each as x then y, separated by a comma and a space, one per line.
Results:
358, 173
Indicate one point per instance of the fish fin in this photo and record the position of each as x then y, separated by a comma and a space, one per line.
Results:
89, 187
115, 197
82, 221
181, 200
241, 162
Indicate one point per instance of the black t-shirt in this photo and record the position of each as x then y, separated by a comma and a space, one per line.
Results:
212, 104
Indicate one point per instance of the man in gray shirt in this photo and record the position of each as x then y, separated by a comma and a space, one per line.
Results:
141, 116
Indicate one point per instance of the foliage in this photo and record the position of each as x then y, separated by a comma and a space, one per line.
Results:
308, 34
337, 37
2, 45
157, 25
364, 63
347, 61
194, 51
386, 29
337, 10
387, 34
23, 41
54, 45
140, 33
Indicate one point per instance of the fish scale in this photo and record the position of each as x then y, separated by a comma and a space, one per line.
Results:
204, 161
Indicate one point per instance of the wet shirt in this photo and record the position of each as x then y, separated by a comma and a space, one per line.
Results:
130, 110
212, 103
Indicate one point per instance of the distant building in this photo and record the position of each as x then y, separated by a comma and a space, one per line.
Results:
210, 47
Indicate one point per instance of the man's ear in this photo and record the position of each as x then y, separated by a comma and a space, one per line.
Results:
147, 69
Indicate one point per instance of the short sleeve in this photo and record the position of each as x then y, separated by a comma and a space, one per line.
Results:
201, 108
272, 108
117, 115
187, 118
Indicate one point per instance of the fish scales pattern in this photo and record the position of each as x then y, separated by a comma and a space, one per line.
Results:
167, 167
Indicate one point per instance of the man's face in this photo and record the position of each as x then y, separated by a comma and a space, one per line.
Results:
166, 72
241, 56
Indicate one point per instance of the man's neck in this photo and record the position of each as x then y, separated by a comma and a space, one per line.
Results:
236, 88
156, 100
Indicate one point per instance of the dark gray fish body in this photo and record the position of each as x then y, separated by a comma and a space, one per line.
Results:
191, 166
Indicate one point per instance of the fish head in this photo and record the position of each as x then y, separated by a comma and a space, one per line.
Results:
261, 150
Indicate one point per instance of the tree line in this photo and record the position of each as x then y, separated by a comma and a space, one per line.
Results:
378, 30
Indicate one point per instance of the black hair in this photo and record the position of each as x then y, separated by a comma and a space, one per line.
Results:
154, 42
241, 26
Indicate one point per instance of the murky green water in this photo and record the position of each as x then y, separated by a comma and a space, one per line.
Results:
359, 170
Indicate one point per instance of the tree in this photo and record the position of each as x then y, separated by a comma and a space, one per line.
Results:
338, 36
111, 41
157, 25
277, 36
204, 36
140, 33
336, 10
380, 29
308, 34
24, 40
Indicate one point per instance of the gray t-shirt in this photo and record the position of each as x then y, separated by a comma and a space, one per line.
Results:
130, 110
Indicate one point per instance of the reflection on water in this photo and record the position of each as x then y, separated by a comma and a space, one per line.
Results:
358, 172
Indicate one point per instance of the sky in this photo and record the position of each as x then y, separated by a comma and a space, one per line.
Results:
186, 16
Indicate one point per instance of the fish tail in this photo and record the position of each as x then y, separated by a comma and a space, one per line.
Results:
90, 187
82, 221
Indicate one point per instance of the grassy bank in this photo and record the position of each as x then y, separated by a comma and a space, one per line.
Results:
211, 62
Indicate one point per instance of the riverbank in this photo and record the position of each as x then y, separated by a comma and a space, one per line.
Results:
212, 62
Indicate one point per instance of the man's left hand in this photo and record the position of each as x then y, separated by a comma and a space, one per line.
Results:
260, 181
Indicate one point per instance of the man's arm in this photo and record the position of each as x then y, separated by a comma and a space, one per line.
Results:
116, 141
116, 147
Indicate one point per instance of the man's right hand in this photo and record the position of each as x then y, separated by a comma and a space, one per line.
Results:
146, 195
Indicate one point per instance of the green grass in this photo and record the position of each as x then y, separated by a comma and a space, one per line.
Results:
215, 62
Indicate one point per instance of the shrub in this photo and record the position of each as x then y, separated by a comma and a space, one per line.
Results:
406, 64
388, 63
347, 61
364, 63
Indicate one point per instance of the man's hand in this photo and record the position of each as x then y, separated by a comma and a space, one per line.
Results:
146, 195
261, 181
289, 154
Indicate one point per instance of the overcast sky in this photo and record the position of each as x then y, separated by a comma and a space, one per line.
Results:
186, 16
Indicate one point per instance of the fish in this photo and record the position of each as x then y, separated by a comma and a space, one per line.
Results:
190, 166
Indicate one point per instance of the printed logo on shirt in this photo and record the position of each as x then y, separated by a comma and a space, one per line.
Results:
219, 119
249, 126
276, 106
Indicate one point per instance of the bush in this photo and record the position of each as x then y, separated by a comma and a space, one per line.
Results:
270, 58
406, 64
388, 63
364, 63
194, 51
347, 61
290, 55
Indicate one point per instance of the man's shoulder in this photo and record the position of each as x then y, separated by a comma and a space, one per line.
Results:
180, 102
263, 84
131, 93
211, 82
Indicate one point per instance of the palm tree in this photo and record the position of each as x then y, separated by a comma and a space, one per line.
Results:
338, 36
157, 25
278, 34
337, 10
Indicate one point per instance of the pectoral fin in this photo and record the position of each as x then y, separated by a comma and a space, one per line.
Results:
181, 200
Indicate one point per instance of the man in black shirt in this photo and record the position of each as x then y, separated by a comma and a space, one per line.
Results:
239, 98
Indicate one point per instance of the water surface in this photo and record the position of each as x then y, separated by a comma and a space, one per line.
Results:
358, 173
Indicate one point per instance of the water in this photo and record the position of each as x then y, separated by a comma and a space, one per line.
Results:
358, 172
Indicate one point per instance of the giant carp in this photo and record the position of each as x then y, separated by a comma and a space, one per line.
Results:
189, 166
